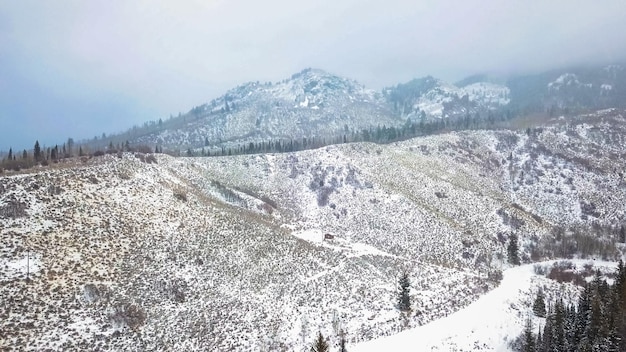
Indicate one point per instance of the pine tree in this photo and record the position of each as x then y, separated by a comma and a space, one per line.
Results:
37, 151
559, 342
570, 326
320, 344
528, 344
539, 306
404, 299
512, 250
539, 342
547, 343
70, 146
10, 154
342, 342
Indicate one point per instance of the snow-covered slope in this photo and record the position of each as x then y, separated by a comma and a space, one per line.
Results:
227, 253
489, 323
432, 98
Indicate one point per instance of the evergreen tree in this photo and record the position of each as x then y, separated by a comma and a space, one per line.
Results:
539, 306
320, 344
512, 250
583, 314
559, 343
37, 151
548, 335
70, 146
342, 342
539, 342
404, 299
592, 330
10, 154
528, 344
570, 326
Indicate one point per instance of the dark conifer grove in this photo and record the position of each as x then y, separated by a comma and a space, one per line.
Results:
596, 323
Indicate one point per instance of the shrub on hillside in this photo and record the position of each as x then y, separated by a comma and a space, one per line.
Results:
143, 149
128, 315
180, 195
564, 271
13, 209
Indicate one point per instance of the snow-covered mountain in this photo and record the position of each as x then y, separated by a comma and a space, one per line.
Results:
310, 104
575, 89
432, 98
228, 253
314, 104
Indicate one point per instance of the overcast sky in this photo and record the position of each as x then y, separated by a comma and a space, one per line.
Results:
80, 68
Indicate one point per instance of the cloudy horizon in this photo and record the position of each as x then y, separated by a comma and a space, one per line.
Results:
78, 69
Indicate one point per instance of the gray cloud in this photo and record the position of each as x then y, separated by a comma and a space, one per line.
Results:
79, 68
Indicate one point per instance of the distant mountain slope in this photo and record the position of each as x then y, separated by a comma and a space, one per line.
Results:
575, 89
228, 252
432, 98
314, 104
311, 103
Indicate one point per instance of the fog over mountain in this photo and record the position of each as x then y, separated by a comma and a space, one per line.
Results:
80, 69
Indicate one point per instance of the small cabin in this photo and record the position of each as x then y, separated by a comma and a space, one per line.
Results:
328, 236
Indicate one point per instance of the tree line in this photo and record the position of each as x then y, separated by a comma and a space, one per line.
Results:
596, 323
420, 126
39, 155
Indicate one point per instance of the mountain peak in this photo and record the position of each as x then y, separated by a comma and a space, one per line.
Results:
311, 72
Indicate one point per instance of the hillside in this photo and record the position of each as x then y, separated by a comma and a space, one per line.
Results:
227, 252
